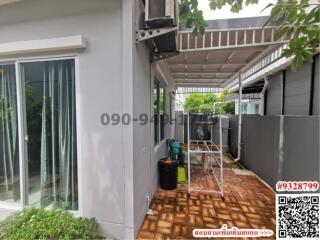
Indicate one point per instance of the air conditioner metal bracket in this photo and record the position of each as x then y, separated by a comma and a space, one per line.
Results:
155, 56
142, 35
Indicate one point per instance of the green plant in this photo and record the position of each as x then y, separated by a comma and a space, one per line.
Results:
301, 24
199, 101
37, 223
204, 102
192, 16
227, 107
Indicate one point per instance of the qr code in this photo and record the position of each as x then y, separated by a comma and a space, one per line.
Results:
297, 216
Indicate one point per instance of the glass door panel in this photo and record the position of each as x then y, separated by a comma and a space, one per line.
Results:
49, 89
9, 147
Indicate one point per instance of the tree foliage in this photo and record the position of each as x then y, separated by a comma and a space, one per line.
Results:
203, 102
192, 16
298, 20
300, 23
235, 5
227, 107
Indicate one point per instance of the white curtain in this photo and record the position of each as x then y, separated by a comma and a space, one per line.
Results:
58, 172
9, 161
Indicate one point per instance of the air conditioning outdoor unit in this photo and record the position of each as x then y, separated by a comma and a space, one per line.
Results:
160, 13
160, 25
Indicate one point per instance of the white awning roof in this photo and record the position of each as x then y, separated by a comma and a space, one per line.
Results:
215, 58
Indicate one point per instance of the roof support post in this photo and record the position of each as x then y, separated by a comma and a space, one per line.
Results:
240, 118
283, 85
312, 86
263, 96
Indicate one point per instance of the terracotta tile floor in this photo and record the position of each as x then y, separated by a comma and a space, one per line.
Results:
248, 203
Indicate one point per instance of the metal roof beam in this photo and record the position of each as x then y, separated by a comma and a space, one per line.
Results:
202, 72
207, 64
195, 84
268, 57
230, 38
201, 79
230, 29
193, 89
235, 47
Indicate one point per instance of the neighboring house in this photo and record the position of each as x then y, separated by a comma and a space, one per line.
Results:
250, 104
63, 64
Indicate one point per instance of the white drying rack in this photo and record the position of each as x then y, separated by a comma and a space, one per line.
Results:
209, 148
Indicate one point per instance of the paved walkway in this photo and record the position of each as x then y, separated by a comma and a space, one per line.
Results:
248, 203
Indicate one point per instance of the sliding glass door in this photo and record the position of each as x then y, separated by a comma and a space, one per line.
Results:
48, 117
9, 150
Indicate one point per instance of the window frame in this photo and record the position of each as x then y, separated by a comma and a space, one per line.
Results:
162, 119
156, 110
158, 85
22, 128
171, 106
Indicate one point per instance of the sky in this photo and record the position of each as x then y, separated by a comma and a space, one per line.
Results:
248, 11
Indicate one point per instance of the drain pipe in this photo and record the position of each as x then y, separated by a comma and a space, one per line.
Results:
240, 118
263, 92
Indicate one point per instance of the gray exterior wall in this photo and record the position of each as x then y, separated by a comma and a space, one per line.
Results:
117, 164
273, 96
142, 143
296, 159
145, 154
297, 91
100, 156
233, 135
301, 148
260, 139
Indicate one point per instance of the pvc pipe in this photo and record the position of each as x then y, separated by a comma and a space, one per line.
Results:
240, 119
282, 91
263, 92
221, 156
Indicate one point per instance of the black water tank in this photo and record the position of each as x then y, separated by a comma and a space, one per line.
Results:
168, 173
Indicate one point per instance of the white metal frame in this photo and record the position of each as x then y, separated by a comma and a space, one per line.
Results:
231, 42
22, 128
250, 71
208, 151
187, 90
